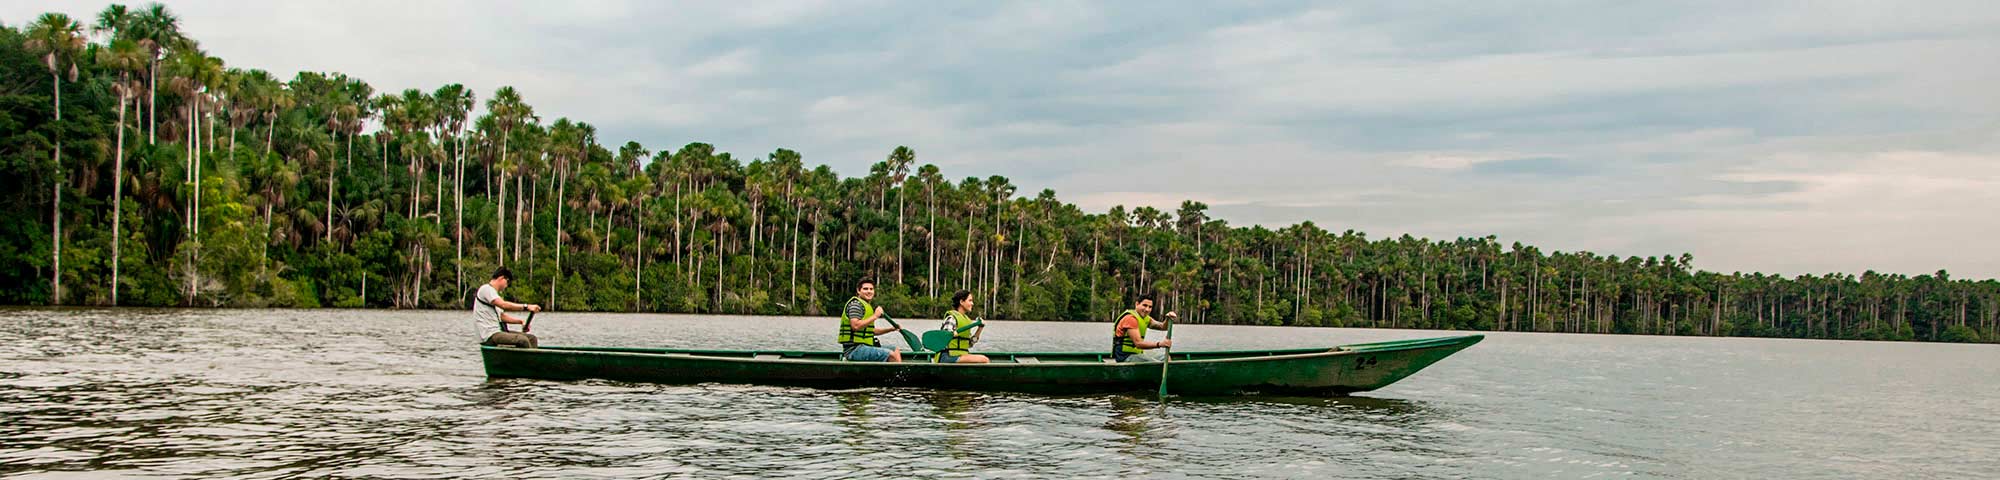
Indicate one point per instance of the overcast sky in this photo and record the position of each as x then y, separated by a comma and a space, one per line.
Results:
1786, 137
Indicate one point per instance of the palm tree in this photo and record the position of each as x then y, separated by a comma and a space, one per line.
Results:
928, 175
1001, 189
411, 121
722, 205
755, 190
57, 39
508, 111
156, 28
563, 131
199, 71
534, 139
345, 118
276, 101
789, 168
114, 22
639, 188
123, 56
899, 169
456, 102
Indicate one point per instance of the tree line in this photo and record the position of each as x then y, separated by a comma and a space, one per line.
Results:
141, 171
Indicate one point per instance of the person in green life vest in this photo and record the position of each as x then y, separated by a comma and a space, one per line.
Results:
958, 319
1128, 338
858, 330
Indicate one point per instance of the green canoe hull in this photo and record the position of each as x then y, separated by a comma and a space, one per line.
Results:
1338, 370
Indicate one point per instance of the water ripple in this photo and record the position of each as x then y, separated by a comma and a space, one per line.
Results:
308, 394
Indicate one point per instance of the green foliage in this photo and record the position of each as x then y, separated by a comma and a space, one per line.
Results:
1960, 333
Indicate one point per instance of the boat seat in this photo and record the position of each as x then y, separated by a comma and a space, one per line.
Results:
1110, 360
767, 356
1027, 360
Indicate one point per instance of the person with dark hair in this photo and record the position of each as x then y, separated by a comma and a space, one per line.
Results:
858, 330
492, 322
958, 319
1128, 338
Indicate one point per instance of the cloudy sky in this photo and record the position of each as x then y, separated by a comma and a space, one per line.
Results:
1788, 137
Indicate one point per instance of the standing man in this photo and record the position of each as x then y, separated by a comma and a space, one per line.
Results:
1128, 338
858, 330
492, 322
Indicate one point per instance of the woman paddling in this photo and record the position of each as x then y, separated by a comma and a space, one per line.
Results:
959, 320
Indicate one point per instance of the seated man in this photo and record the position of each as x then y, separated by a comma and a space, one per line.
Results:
492, 322
1128, 338
857, 328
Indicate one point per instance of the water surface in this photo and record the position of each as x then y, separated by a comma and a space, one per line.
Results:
284, 393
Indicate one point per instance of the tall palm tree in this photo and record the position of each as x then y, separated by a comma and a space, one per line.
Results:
456, 102
197, 71
57, 39
157, 29
123, 56
790, 168
114, 22
1001, 189
343, 119
899, 169
564, 131
636, 188
929, 176
508, 111
755, 189
276, 99
535, 142
639, 189
719, 202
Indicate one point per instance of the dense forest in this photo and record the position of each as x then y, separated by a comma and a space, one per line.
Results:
141, 171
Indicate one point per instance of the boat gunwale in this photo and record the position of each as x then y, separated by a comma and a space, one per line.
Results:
750, 356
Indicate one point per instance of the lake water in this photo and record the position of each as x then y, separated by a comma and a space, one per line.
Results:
327, 393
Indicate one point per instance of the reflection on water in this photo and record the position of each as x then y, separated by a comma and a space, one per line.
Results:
961, 418
262, 394
856, 418
1142, 426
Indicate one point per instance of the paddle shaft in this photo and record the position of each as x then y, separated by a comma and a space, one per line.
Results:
1168, 363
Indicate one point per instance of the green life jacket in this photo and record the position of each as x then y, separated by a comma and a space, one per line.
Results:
1122, 343
849, 336
961, 335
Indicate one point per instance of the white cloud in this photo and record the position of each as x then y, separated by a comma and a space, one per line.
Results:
1452, 161
735, 63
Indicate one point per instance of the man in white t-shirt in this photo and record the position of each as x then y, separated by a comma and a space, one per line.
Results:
489, 315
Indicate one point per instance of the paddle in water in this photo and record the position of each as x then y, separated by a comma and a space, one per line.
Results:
1169, 361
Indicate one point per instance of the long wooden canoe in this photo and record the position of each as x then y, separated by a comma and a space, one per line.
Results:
1337, 370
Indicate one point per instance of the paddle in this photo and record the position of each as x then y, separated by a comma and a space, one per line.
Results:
1170, 358
936, 340
908, 338
530, 324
